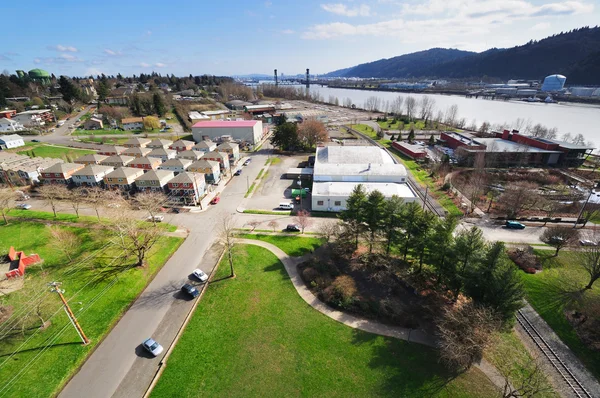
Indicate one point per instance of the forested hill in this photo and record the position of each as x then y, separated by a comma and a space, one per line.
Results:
575, 54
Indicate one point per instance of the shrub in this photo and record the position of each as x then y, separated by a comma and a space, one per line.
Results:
309, 274
341, 292
525, 259
446, 186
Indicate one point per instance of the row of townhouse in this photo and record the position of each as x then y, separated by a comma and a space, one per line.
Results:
22, 170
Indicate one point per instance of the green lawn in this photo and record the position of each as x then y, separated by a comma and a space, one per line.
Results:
292, 245
96, 296
418, 125
52, 151
253, 336
106, 132
557, 289
275, 213
105, 140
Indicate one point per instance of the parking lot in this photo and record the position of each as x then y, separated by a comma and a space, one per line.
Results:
274, 189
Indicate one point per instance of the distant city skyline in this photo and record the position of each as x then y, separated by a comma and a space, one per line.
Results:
254, 37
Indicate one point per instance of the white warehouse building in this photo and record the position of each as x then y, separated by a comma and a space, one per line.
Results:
339, 169
250, 131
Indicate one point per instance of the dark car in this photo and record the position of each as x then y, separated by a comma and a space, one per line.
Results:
247, 162
514, 225
293, 228
35, 140
190, 290
238, 172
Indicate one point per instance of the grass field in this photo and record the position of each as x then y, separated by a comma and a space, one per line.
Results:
105, 140
253, 336
275, 213
557, 289
52, 151
292, 245
418, 125
96, 296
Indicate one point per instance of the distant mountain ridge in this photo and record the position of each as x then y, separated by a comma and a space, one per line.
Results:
575, 54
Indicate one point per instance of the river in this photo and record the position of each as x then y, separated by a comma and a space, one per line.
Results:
565, 117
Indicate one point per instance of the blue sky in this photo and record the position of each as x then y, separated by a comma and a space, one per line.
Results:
79, 38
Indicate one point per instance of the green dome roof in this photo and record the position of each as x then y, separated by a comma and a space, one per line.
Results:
38, 73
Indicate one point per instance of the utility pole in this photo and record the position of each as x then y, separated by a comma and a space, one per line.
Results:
583, 207
70, 314
425, 198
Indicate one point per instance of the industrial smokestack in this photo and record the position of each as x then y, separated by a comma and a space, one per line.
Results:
276, 83
307, 77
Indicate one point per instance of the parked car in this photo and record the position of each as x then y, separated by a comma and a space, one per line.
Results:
514, 225
215, 200
152, 347
307, 190
35, 140
247, 162
238, 172
286, 206
23, 197
293, 228
587, 242
24, 206
156, 218
190, 290
198, 273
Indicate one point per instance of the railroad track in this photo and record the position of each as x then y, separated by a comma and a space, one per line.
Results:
562, 368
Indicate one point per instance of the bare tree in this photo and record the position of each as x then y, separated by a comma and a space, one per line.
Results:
135, 238
517, 197
427, 104
65, 241
579, 139
473, 125
590, 259
451, 115
76, 197
7, 201
303, 219
227, 238
272, 224
397, 105
464, 333
528, 381
96, 197
52, 194
484, 128
560, 236
476, 184
411, 105
312, 132
330, 229
152, 202
253, 224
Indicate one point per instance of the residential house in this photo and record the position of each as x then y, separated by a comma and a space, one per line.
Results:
21, 169
182, 145
117, 161
196, 117
232, 149
91, 158
210, 169
137, 142
145, 163
137, 152
9, 125
175, 165
11, 141
111, 150
91, 175
192, 155
218, 114
133, 123
34, 118
60, 173
205, 146
163, 154
93, 124
158, 143
187, 188
154, 180
221, 157
123, 178
8, 114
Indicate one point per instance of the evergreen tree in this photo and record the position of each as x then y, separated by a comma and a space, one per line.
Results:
411, 136
411, 219
374, 215
68, 90
103, 90
441, 249
431, 140
159, 104
354, 215
285, 136
392, 221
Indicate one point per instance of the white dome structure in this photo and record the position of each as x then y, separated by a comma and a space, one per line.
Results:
554, 83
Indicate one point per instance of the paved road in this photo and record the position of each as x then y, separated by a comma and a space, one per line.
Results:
498, 232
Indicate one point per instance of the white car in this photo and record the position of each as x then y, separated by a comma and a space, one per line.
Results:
198, 273
587, 242
152, 347
24, 206
156, 218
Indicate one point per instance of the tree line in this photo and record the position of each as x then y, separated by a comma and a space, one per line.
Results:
291, 136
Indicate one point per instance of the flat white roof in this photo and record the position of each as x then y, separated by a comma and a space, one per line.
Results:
352, 155
500, 145
344, 189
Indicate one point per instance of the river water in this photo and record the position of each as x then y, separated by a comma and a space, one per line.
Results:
566, 117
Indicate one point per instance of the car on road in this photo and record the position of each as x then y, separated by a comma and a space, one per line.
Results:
198, 273
190, 290
293, 228
156, 218
215, 200
307, 190
238, 172
35, 140
247, 162
113, 205
587, 242
24, 206
514, 225
152, 346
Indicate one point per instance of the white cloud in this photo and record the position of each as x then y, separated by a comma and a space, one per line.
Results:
37, 61
112, 52
450, 20
288, 32
61, 48
268, 4
362, 10
144, 65
540, 26
62, 58
160, 65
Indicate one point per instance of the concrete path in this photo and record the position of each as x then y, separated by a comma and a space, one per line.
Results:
367, 325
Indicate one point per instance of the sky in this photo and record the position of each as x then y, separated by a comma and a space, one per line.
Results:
79, 38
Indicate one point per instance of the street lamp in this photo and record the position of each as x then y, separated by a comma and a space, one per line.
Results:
300, 185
